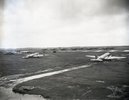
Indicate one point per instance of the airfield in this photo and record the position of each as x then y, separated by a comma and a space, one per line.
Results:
78, 78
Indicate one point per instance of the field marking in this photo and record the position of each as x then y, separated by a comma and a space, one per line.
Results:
21, 80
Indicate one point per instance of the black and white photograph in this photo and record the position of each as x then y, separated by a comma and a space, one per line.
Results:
64, 49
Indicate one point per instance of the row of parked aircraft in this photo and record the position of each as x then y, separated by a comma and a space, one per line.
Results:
104, 57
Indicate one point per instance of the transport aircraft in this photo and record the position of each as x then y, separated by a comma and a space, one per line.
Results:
104, 57
33, 55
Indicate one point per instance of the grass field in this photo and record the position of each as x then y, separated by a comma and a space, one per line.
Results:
100, 81
15, 64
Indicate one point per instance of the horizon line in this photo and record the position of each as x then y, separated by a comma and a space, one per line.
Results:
67, 47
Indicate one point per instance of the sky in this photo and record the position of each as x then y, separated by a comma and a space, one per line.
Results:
63, 23
1, 19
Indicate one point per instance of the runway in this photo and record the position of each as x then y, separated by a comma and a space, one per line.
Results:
18, 81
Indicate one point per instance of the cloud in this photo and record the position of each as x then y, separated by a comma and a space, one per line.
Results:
1, 4
115, 6
98, 7
118, 3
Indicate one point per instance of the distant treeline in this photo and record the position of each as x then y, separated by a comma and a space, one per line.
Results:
59, 49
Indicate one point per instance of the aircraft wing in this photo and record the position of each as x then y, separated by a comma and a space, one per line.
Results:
91, 56
115, 57
103, 56
96, 60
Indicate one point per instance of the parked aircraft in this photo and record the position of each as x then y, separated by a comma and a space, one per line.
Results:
33, 55
104, 57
